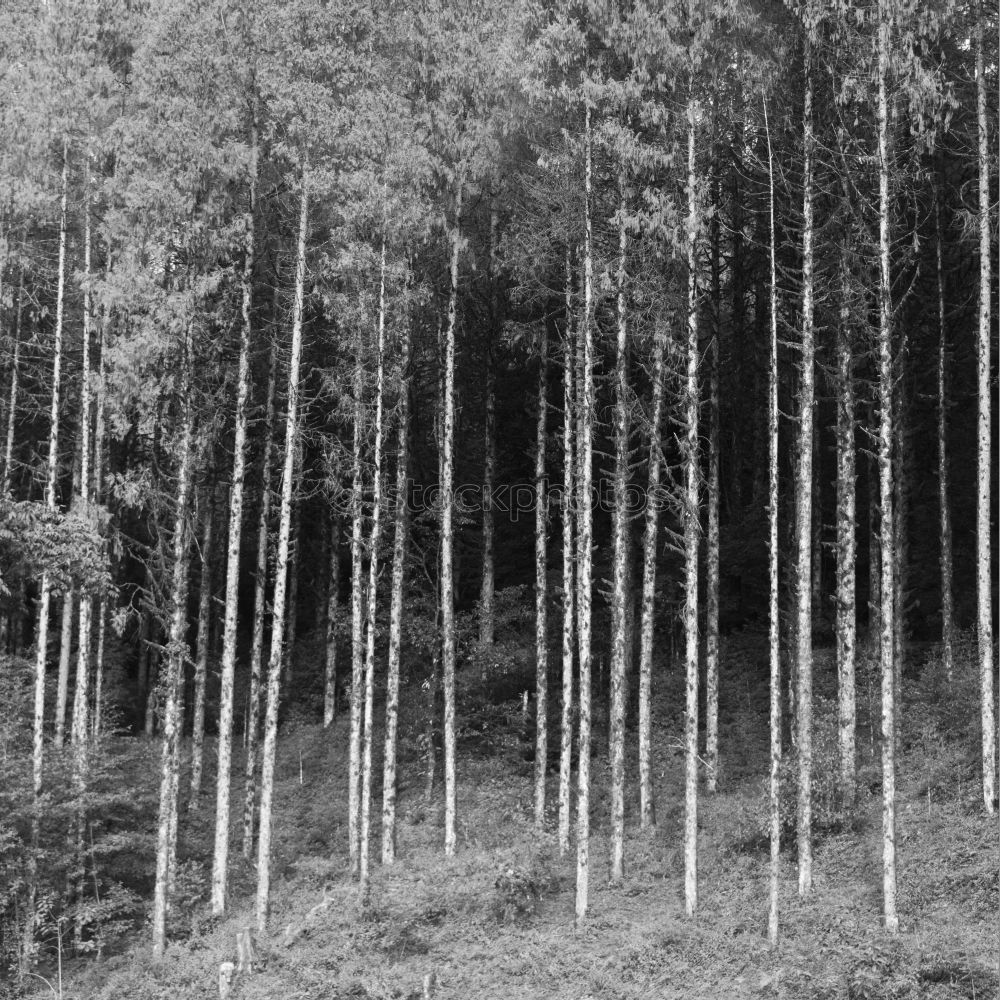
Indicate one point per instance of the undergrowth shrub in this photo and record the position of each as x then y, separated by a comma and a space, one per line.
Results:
830, 814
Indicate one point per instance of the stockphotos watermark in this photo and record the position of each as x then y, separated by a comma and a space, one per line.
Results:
508, 500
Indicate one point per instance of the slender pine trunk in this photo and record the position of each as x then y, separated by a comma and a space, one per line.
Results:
712, 492
292, 614
357, 616
375, 538
220, 853
448, 637
585, 536
42, 640
399, 547
332, 608
223, 780
65, 655
257, 644
691, 534
102, 613
647, 801
885, 437
204, 643
568, 567
774, 625
281, 573
176, 655
944, 504
984, 595
541, 588
15, 375
846, 626
803, 499
620, 558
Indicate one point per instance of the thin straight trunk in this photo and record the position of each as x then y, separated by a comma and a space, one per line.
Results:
375, 538
80, 731
620, 559
712, 495
691, 539
885, 436
568, 568
15, 374
259, 608
774, 624
399, 547
874, 552
357, 617
541, 589
816, 545
102, 613
803, 501
846, 626
176, 652
900, 512
42, 642
947, 602
65, 654
281, 574
204, 642
984, 596
223, 781
585, 535
292, 620
81, 693
647, 802
448, 643
332, 606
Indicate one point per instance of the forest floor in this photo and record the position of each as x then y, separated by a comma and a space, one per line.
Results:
517, 939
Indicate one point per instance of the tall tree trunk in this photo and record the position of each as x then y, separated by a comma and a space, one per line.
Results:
375, 538
774, 624
176, 655
585, 535
357, 615
223, 780
281, 572
541, 589
568, 567
42, 640
947, 604
846, 545
691, 533
204, 645
712, 493
292, 620
620, 560
259, 609
647, 803
65, 655
803, 499
885, 436
80, 731
448, 638
81, 693
15, 374
984, 596
332, 607
102, 613
399, 547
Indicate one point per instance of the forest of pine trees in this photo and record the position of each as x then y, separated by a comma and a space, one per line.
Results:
384, 382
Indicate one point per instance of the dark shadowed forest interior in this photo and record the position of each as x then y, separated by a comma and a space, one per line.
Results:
499, 498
